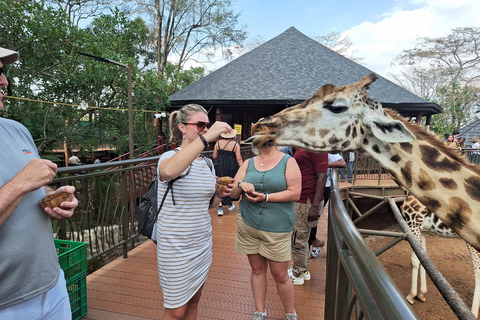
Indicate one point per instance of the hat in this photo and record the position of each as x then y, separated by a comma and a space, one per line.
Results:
74, 160
8, 56
230, 135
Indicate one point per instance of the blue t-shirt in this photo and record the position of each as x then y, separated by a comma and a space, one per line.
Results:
28, 258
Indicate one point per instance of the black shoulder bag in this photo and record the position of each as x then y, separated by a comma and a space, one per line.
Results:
147, 210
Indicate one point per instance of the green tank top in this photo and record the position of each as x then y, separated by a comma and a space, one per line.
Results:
271, 216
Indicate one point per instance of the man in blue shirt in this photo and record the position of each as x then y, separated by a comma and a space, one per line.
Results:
32, 285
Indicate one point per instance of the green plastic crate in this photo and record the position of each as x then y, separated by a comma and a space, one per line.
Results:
77, 292
72, 256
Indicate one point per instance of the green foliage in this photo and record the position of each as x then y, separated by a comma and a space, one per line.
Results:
456, 100
176, 82
87, 93
445, 70
187, 28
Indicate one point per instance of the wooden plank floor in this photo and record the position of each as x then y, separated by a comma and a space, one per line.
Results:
128, 289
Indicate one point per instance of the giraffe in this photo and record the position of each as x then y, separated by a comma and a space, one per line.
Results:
344, 118
421, 220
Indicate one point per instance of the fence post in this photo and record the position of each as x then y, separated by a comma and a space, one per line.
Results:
125, 203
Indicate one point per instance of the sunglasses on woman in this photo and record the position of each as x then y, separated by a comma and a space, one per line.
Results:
2, 70
200, 125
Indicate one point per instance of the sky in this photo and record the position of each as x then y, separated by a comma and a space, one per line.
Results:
378, 29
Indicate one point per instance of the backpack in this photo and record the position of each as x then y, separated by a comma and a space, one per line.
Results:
147, 209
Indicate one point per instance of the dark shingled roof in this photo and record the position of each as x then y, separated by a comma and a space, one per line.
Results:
287, 70
469, 131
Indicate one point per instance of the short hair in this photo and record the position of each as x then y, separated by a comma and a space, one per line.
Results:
181, 116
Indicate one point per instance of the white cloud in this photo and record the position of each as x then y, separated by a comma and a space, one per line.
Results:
380, 42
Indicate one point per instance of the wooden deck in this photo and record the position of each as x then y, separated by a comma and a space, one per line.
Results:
128, 289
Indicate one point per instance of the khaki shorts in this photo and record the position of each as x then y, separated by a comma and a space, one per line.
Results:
270, 245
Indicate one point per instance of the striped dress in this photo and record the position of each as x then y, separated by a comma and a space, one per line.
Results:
184, 234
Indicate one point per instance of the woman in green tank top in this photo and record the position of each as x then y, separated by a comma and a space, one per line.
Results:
269, 184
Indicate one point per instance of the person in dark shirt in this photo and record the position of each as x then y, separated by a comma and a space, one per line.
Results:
313, 168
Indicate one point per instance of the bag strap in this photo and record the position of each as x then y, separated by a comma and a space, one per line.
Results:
170, 187
170, 183
209, 164
226, 145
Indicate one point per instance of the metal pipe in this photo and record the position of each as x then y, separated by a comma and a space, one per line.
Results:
381, 233
386, 295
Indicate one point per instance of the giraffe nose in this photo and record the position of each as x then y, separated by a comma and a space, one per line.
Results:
264, 126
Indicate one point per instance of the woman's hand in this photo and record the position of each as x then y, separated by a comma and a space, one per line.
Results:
256, 196
227, 192
247, 187
216, 129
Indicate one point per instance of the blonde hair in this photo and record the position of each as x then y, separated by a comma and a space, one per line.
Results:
181, 116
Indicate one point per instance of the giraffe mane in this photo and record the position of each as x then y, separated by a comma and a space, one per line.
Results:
433, 139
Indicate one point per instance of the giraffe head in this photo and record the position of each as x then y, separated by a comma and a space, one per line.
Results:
333, 119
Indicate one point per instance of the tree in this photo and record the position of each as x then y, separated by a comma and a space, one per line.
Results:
445, 70
87, 94
257, 41
77, 10
175, 82
338, 43
183, 28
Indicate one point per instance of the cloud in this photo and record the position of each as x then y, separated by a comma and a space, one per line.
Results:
380, 42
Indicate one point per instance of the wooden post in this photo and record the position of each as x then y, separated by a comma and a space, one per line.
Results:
65, 149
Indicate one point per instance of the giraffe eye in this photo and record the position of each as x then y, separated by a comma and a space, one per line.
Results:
336, 109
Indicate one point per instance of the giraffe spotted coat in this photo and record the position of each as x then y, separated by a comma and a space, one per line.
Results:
421, 220
344, 118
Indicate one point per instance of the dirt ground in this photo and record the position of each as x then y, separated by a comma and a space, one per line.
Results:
449, 255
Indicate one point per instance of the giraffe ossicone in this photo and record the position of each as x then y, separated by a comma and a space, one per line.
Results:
344, 118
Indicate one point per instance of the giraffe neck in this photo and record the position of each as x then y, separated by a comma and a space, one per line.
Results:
420, 219
443, 182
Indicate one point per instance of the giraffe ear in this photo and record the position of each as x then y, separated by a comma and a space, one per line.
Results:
389, 130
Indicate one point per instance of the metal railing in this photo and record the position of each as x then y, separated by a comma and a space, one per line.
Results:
366, 168
472, 155
357, 285
108, 194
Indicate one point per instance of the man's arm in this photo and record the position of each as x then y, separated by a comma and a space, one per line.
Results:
340, 163
36, 174
319, 189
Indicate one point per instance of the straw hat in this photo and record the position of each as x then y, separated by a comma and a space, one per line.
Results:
8, 56
73, 160
230, 135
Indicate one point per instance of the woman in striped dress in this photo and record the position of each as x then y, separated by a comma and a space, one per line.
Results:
184, 230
